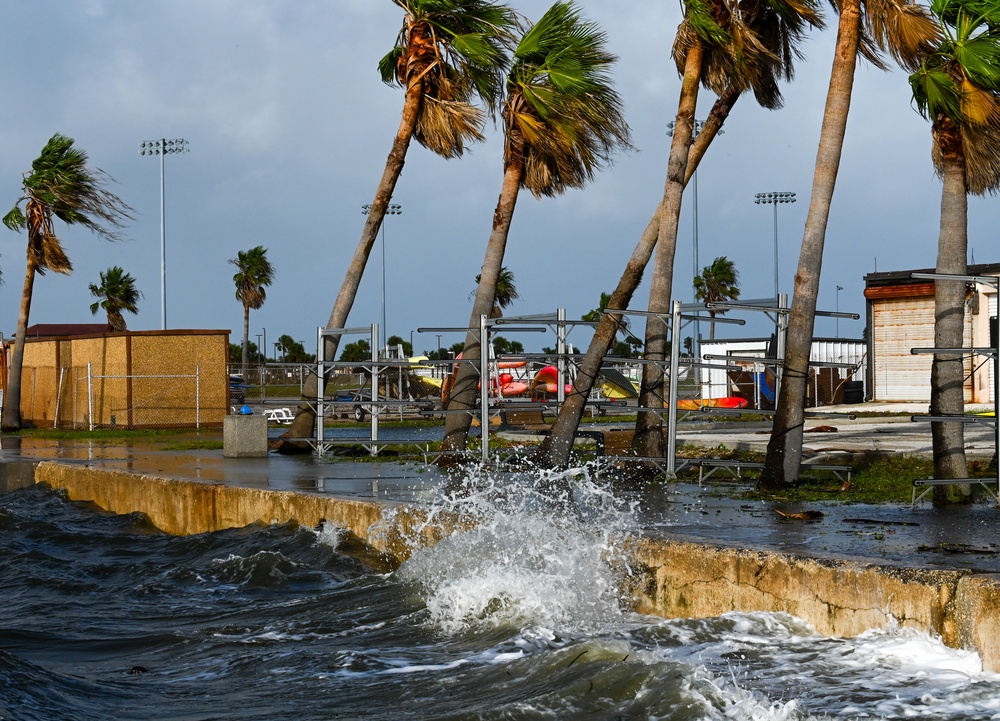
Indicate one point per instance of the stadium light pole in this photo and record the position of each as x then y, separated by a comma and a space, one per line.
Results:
392, 209
775, 199
163, 147
696, 128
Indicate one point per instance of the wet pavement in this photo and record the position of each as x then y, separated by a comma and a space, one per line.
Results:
964, 537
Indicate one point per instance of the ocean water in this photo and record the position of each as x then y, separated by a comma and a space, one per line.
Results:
104, 617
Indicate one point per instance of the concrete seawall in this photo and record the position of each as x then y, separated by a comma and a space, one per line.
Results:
667, 578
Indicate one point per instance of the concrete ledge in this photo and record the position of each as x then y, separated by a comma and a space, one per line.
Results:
667, 578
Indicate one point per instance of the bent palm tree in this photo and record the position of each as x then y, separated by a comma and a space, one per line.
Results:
254, 273
957, 88
781, 27
718, 282
562, 121
116, 293
715, 44
448, 53
59, 185
907, 32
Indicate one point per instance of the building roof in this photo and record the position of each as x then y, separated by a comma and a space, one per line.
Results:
902, 277
49, 330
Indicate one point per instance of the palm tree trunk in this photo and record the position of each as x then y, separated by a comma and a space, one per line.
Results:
463, 396
784, 450
555, 448
246, 338
649, 424
304, 424
948, 371
11, 420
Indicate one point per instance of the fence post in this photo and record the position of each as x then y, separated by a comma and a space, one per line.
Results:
197, 396
90, 396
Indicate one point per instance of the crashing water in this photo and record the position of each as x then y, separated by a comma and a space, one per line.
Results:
517, 617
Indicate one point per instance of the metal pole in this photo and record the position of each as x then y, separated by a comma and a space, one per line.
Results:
775, 250
484, 393
391, 209
163, 253
839, 288
163, 147
675, 356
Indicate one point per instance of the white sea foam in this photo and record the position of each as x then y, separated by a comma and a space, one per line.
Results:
538, 551
330, 534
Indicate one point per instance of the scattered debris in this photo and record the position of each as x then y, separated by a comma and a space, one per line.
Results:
801, 515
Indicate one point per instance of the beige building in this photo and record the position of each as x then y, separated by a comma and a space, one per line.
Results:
900, 313
135, 379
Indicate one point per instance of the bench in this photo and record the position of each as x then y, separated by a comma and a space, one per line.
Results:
283, 416
927, 485
735, 468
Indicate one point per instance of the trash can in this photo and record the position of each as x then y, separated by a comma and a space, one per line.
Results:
854, 392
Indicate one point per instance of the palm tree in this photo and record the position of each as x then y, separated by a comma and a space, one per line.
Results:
717, 283
908, 33
562, 120
781, 27
724, 46
506, 292
957, 87
448, 53
254, 273
116, 293
60, 185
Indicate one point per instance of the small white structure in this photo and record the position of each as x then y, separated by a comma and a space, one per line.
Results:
900, 316
755, 381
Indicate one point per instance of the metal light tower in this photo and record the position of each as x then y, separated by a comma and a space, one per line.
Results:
163, 147
392, 209
774, 199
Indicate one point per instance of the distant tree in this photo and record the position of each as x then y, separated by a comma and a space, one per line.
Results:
116, 293
502, 346
236, 354
718, 282
357, 352
395, 340
254, 273
60, 185
506, 292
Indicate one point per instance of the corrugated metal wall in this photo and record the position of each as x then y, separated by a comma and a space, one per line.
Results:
899, 325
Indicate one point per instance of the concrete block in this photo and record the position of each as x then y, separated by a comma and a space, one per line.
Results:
244, 437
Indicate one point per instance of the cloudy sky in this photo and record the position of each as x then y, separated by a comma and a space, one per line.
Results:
289, 126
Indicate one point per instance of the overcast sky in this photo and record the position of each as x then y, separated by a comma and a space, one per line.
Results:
289, 126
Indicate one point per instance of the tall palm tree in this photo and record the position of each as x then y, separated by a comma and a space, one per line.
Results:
718, 282
716, 43
254, 273
60, 185
447, 54
907, 32
957, 87
562, 120
505, 294
115, 294
781, 27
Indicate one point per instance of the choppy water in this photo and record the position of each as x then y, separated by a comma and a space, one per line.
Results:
104, 617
